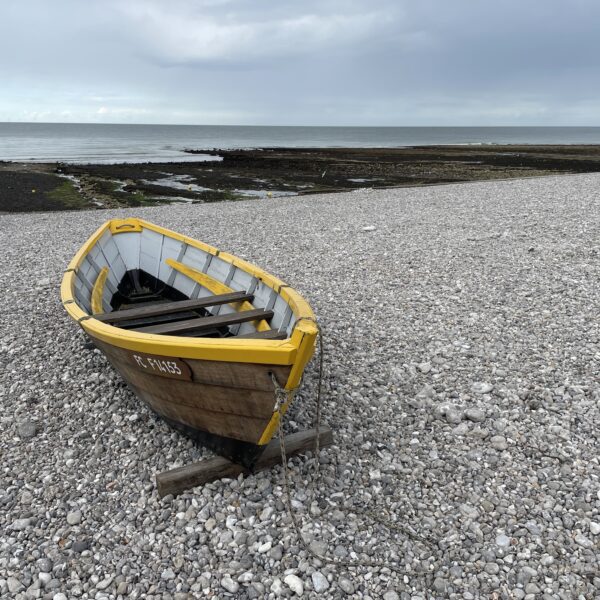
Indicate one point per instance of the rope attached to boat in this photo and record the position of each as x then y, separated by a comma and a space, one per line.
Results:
283, 397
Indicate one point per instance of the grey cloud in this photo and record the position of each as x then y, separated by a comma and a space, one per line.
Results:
336, 62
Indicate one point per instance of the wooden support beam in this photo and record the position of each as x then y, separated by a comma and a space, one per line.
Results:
183, 478
203, 323
164, 308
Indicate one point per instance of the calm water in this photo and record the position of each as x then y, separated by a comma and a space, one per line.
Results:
142, 143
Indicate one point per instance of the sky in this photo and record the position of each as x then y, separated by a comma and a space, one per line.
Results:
309, 62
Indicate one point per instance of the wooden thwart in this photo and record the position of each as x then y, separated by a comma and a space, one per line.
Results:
172, 307
183, 478
203, 323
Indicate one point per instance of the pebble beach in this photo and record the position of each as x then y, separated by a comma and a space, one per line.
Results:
461, 380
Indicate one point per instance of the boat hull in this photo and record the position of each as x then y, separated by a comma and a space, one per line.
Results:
224, 406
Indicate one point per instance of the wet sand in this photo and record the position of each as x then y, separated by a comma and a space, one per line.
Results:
273, 172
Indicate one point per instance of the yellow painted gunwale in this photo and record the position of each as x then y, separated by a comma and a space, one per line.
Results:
296, 350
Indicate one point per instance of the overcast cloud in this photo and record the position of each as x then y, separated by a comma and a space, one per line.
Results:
315, 62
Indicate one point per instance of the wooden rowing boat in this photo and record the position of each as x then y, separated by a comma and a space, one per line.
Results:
197, 334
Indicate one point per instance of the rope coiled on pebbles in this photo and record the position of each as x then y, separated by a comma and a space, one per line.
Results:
283, 398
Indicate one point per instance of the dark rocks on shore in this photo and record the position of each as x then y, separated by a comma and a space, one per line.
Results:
269, 172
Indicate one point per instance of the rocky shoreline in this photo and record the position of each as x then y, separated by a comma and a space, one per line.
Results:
276, 172
462, 383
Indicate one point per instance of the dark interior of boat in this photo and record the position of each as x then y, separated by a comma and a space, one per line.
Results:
146, 304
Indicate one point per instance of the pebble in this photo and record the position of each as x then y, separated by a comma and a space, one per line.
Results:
14, 585
27, 429
475, 414
277, 587
391, 595
44, 565
481, 387
74, 518
20, 524
319, 581
276, 552
499, 442
80, 546
230, 585
499, 478
294, 583
346, 585
584, 541
453, 416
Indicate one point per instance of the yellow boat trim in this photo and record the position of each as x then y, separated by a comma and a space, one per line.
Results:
98, 291
295, 351
269, 431
216, 287
125, 226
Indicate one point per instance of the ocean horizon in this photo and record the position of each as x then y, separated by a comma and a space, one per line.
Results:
127, 143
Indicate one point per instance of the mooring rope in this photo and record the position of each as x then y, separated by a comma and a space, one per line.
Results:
284, 397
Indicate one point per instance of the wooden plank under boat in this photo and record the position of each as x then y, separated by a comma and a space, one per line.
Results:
196, 333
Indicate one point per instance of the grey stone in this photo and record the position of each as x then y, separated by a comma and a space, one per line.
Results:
346, 585
319, 581
525, 575
44, 565
74, 517
294, 583
105, 583
230, 585
27, 429
14, 585
499, 442
481, 387
475, 414
276, 552
80, 545
583, 541
20, 524
453, 416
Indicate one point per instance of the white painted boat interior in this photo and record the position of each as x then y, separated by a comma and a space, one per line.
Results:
148, 251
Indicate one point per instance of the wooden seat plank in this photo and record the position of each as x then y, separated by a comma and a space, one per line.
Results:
203, 323
128, 314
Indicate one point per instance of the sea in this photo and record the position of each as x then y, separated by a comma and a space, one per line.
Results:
105, 143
